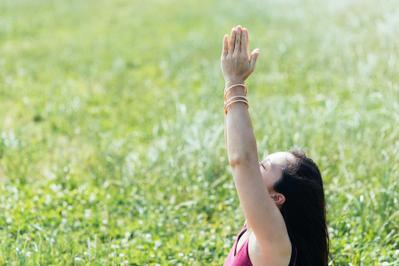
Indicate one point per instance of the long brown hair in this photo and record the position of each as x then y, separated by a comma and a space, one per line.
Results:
304, 210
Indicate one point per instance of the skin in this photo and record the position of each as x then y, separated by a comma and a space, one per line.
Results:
271, 168
269, 243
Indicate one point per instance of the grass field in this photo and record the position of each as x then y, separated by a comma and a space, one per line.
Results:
111, 125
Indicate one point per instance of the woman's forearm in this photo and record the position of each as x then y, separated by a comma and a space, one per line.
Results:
240, 138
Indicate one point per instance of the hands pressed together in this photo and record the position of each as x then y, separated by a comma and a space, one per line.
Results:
236, 62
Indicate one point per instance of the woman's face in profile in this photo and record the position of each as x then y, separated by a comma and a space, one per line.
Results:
271, 167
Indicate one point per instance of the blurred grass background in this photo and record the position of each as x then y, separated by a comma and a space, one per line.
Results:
111, 125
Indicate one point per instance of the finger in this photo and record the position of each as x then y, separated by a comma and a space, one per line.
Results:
237, 45
254, 57
244, 41
225, 45
247, 39
232, 41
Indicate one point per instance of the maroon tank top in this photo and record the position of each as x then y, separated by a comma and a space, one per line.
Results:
241, 257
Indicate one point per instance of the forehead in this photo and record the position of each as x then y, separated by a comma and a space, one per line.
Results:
278, 161
281, 158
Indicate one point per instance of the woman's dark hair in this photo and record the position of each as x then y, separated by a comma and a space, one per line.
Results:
304, 210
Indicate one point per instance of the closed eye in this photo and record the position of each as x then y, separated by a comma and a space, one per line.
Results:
262, 165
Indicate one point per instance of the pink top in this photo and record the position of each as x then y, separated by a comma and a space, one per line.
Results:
241, 258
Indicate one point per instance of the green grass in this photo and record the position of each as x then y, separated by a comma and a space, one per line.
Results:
111, 125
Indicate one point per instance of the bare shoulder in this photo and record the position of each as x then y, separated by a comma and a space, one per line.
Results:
268, 256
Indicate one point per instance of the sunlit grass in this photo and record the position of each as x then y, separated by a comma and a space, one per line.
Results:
111, 135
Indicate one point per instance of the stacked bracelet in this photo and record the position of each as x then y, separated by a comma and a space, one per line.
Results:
234, 99
240, 99
226, 91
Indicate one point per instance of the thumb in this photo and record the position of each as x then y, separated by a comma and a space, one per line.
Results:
253, 58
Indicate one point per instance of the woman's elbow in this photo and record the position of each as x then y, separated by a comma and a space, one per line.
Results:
239, 159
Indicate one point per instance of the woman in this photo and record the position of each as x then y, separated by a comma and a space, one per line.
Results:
282, 196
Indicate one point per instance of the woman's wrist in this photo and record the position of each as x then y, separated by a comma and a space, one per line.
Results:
235, 90
232, 82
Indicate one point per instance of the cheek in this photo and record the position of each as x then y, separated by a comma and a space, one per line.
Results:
267, 180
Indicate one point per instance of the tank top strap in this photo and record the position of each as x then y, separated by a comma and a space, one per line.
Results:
243, 229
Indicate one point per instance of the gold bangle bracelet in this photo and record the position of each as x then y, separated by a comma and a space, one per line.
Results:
236, 97
226, 91
234, 101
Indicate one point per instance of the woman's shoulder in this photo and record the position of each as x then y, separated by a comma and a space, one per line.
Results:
262, 256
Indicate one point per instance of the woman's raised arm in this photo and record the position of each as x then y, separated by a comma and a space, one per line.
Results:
262, 214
